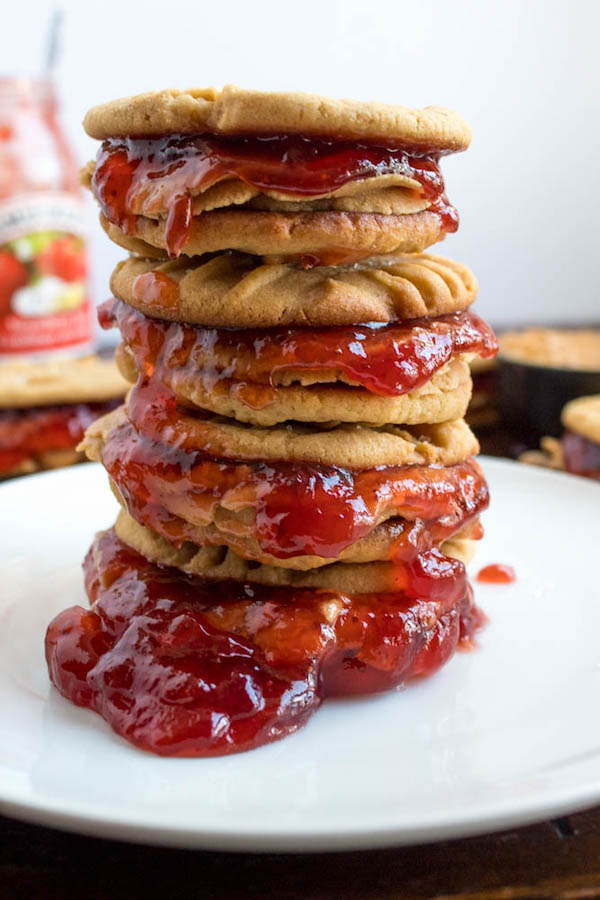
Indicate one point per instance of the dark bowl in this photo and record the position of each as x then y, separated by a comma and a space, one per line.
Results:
531, 397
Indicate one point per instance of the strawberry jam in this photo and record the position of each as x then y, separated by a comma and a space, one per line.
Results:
148, 176
384, 359
582, 456
496, 573
187, 667
27, 433
300, 508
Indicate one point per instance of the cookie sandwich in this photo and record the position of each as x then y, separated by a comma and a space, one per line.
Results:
297, 485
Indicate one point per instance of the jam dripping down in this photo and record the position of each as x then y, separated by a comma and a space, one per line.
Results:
27, 433
137, 176
496, 573
300, 508
582, 456
184, 667
388, 360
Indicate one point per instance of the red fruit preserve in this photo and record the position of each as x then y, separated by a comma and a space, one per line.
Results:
44, 299
186, 667
496, 573
388, 360
145, 176
31, 432
582, 456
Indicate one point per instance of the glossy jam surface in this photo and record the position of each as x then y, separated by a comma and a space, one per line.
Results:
27, 433
147, 176
496, 573
299, 508
185, 667
384, 359
582, 456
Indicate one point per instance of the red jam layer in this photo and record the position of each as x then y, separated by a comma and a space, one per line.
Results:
496, 573
185, 667
300, 508
582, 456
166, 171
27, 433
384, 359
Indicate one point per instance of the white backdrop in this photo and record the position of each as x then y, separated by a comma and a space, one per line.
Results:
524, 72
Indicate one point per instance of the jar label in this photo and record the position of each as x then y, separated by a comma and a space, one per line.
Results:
44, 301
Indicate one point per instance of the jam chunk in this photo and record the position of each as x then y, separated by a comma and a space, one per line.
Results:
185, 667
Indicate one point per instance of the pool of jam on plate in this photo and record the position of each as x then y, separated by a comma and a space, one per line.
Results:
185, 667
582, 456
136, 176
388, 360
496, 573
27, 433
299, 508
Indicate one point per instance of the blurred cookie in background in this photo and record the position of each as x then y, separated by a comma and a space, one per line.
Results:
578, 450
46, 406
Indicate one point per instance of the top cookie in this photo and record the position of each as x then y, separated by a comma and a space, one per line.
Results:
89, 380
582, 416
234, 110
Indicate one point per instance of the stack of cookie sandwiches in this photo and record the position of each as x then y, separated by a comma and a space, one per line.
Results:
46, 406
298, 489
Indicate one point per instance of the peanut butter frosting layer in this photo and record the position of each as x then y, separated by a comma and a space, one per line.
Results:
326, 237
235, 290
220, 563
234, 110
443, 398
583, 417
87, 380
353, 446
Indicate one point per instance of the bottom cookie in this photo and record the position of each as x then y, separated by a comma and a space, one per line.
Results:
189, 667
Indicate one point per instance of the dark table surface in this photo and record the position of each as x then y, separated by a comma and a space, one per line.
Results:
557, 859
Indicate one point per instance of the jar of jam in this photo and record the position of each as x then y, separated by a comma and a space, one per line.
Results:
44, 297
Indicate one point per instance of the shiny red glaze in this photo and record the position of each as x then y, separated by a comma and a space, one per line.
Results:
300, 508
385, 359
185, 667
496, 573
26, 433
582, 456
180, 165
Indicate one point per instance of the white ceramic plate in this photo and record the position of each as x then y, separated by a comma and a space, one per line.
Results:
504, 735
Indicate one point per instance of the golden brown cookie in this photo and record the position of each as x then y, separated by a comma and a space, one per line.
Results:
583, 417
443, 398
234, 110
325, 237
24, 383
234, 290
351, 446
221, 563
